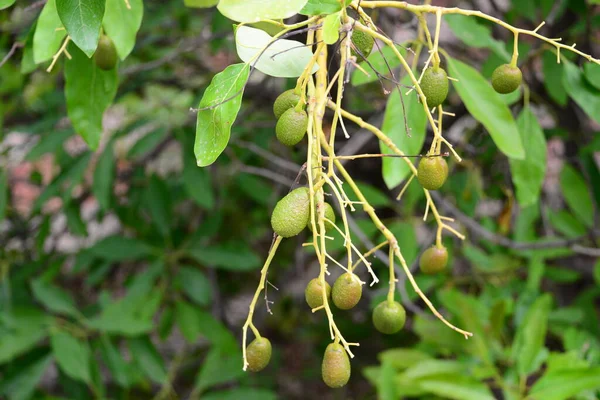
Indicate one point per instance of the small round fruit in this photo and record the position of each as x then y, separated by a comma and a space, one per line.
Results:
291, 127
506, 79
258, 354
290, 215
336, 366
435, 86
346, 292
434, 259
432, 172
313, 293
106, 54
284, 102
389, 317
363, 43
330, 215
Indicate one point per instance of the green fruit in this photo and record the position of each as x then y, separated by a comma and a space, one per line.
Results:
313, 293
336, 366
106, 54
291, 127
347, 291
432, 172
435, 86
290, 215
506, 78
363, 43
258, 354
284, 102
330, 215
389, 317
433, 260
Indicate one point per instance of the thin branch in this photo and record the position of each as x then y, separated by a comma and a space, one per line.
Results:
11, 52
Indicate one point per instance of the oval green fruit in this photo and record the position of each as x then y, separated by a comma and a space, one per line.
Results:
435, 86
432, 172
389, 317
284, 102
258, 354
313, 293
291, 127
330, 215
105, 56
363, 43
290, 215
433, 260
347, 291
506, 79
336, 366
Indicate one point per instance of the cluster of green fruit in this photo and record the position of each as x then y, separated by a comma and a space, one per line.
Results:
291, 121
105, 56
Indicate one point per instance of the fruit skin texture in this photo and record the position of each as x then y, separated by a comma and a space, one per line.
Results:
284, 102
432, 172
313, 295
363, 42
329, 214
506, 79
290, 215
389, 317
433, 260
346, 292
291, 127
435, 86
336, 366
106, 54
258, 354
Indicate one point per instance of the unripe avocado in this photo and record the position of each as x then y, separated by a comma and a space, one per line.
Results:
363, 42
336, 366
433, 260
330, 215
258, 354
291, 127
284, 102
432, 172
347, 291
389, 317
506, 78
291, 213
435, 86
106, 54
313, 293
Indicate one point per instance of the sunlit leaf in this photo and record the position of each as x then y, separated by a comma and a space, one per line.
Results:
259, 10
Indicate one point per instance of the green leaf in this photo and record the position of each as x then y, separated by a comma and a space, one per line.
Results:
386, 382
241, 393
103, 177
27, 63
530, 336
553, 83
381, 61
197, 182
6, 3
577, 195
566, 383
25, 328
585, 95
72, 356
528, 174
82, 20
89, 91
402, 358
195, 285
259, 10
319, 7
121, 319
331, 28
188, 320
49, 143
21, 384
592, 73
283, 58
121, 24
3, 193
474, 34
54, 298
375, 196
395, 170
485, 106
233, 256
147, 359
157, 200
147, 143
597, 272
200, 3
120, 248
219, 367
213, 125
119, 369
48, 34
457, 387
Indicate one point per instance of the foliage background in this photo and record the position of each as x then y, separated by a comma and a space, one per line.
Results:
127, 271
